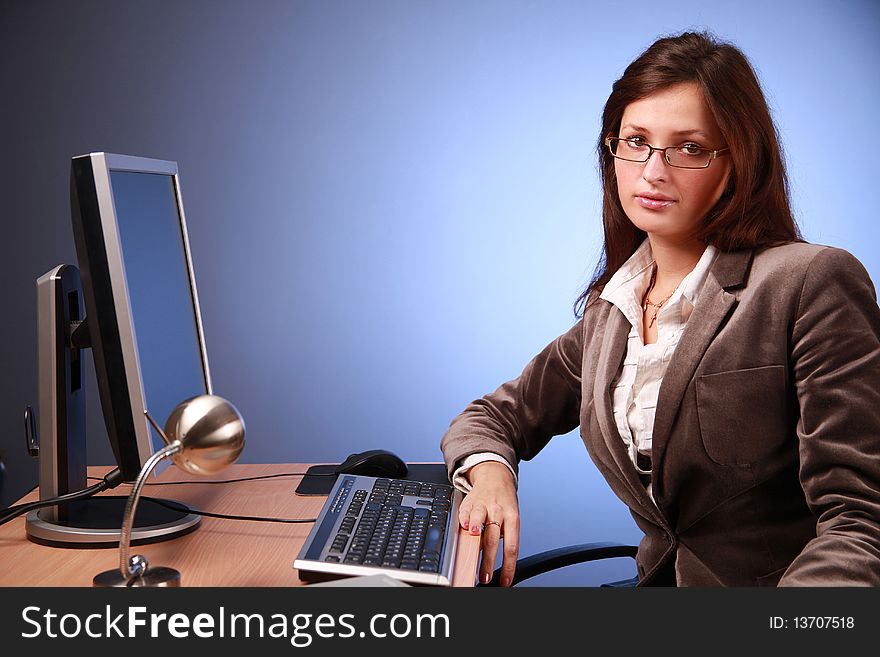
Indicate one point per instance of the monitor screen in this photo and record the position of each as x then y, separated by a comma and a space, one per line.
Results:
159, 290
140, 296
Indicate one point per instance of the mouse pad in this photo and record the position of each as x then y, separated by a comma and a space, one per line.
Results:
319, 479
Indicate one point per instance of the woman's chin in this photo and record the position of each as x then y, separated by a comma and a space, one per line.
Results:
659, 226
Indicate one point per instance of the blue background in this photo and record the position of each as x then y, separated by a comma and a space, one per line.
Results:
391, 205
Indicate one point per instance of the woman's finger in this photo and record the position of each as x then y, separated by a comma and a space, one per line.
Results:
464, 513
511, 548
477, 518
491, 539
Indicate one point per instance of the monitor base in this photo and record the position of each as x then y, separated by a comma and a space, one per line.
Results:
96, 522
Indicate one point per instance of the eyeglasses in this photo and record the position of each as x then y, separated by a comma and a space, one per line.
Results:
686, 156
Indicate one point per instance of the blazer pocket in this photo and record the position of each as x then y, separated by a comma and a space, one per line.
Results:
742, 414
771, 579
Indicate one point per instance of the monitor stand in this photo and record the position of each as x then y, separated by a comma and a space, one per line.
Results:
62, 335
96, 522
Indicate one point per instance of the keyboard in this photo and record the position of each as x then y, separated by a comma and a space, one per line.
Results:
369, 525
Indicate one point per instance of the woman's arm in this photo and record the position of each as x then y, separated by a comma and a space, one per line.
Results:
835, 362
515, 422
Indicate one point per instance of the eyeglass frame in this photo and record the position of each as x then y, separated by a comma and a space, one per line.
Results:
713, 154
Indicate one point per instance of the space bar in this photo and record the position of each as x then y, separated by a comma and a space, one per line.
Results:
433, 540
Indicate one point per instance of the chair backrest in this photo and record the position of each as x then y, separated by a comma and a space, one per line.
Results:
543, 562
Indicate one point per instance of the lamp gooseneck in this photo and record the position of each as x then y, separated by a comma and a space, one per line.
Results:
133, 567
203, 435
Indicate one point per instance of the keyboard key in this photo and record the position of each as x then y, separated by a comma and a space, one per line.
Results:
339, 543
444, 492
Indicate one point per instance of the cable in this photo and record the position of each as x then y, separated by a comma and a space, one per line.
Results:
186, 509
114, 478
110, 480
234, 481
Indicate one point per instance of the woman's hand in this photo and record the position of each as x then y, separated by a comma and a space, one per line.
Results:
491, 507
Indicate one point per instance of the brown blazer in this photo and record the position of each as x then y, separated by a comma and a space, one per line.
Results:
766, 443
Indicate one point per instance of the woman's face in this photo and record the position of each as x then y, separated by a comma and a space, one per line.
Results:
664, 201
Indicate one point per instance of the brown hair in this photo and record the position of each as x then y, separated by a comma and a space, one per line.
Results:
754, 209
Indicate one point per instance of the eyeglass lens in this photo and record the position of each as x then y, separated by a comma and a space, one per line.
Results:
688, 157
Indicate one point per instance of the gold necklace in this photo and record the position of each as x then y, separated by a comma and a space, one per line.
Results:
648, 302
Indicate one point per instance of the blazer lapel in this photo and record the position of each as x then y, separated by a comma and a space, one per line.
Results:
613, 349
713, 306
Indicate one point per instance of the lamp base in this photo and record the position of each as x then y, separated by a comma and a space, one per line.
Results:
159, 576
96, 523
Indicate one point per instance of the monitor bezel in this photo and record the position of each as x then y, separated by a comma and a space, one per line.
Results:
101, 165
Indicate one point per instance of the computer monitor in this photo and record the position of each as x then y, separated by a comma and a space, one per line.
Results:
134, 302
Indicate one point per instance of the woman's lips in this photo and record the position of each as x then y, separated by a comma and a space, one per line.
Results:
653, 203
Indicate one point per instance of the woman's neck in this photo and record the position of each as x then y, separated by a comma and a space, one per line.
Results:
674, 261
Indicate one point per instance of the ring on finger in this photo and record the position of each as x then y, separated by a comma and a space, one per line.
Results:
492, 522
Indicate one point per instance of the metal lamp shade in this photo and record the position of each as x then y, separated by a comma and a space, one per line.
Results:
210, 431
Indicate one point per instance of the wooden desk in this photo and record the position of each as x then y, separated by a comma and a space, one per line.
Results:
219, 553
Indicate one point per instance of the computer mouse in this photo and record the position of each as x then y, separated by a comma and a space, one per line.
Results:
373, 463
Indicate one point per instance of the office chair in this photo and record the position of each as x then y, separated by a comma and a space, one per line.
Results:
543, 562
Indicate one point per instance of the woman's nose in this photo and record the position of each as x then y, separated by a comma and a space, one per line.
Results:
656, 168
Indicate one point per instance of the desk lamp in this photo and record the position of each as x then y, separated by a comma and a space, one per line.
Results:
203, 435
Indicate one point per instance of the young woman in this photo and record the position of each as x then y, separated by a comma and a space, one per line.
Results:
725, 374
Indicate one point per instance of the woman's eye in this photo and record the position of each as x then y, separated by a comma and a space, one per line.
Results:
690, 149
635, 143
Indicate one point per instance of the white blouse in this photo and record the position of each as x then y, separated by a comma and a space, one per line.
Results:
636, 387
637, 384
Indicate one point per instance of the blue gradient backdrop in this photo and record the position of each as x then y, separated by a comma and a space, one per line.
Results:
391, 205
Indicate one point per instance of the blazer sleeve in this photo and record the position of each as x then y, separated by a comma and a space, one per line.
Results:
835, 363
521, 416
